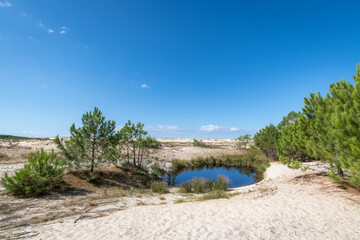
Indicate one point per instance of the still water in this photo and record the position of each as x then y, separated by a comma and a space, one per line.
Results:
237, 177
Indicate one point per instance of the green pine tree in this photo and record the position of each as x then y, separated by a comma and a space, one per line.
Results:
91, 144
136, 142
267, 139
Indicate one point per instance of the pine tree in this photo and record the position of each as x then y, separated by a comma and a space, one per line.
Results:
327, 129
346, 123
91, 144
267, 139
136, 142
243, 141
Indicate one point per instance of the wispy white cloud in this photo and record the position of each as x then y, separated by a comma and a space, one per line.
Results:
162, 128
33, 133
48, 30
44, 86
63, 30
5, 4
25, 14
144, 85
214, 128
210, 128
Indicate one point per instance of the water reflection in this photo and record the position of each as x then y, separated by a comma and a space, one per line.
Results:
237, 176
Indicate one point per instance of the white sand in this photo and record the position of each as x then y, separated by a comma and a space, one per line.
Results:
279, 207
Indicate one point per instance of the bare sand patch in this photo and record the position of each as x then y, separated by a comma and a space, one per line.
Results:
279, 207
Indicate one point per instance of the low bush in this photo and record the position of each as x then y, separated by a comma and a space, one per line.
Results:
221, 183
157, 170
199, 143
186, 187
92, 177
200, 185
215, 195
159, 187
42, 174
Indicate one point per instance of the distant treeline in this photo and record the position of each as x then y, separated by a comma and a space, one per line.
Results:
10, 137
327, 129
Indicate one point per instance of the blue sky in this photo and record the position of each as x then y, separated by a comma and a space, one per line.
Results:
184, 68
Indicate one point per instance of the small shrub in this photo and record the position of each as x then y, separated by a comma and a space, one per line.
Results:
215, 195
354, 180
198, 185
177, 165
304, 168
294, 164
243, 141
209, 185
336, 178
92, 177
199, 143
42, 174
157, 170
221, 183
186, 187
158, 187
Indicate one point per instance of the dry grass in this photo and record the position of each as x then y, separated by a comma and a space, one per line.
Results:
78, 198
92, 204
4, 156
25, 155
141, 203
182, 200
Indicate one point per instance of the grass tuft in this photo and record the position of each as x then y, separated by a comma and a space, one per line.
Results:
199, 143
200, 185
215, 195
159, 187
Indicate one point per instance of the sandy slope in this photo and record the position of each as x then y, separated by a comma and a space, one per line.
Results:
288, 204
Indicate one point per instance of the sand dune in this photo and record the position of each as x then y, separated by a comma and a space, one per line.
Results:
288, 204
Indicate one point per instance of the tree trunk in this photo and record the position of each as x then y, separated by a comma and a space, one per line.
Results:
93, 155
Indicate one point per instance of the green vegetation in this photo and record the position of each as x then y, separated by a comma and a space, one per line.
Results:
214, 195
186, 187
200, 185
266, 140
327, 129
10, 137
243, 141
91, 144
136, 142
158, 187
157, 170
199, 143
41, 175
251, 161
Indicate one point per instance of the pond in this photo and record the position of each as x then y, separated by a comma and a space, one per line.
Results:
237, 177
